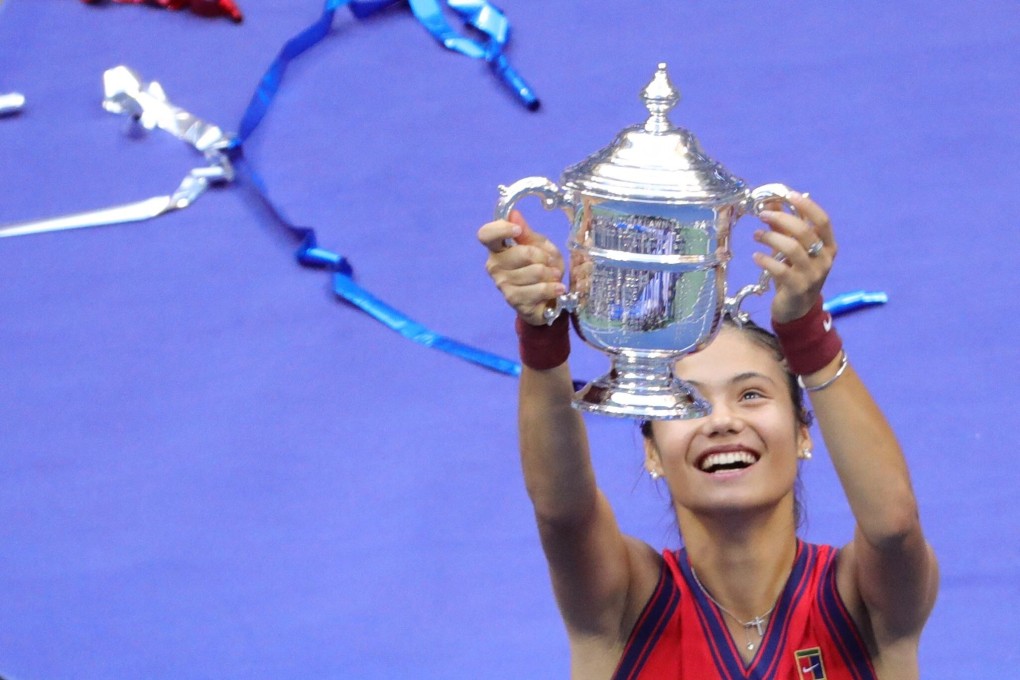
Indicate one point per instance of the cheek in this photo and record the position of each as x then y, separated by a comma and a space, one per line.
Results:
785, 447
672, 442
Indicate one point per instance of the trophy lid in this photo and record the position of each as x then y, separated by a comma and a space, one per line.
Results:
655, 160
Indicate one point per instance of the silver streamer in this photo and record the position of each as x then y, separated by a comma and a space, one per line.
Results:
147, 103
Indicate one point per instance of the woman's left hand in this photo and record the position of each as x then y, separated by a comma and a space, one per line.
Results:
808, 247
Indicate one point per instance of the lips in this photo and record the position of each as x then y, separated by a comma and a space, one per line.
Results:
726, 459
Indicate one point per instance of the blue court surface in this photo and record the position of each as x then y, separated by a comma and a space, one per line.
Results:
212, 467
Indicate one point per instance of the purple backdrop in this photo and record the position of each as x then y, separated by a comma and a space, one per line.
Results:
210, 468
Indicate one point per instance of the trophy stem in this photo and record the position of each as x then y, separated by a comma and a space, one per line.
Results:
641, 386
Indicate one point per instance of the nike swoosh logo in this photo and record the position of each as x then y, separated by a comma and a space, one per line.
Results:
827, 324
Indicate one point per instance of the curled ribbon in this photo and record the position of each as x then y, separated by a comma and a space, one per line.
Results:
481, 15
147, 103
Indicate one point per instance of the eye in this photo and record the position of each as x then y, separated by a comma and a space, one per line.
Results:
752, 394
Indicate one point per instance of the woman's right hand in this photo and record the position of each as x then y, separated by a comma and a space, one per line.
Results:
528, 272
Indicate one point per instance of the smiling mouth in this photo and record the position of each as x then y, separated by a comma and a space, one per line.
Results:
727, 461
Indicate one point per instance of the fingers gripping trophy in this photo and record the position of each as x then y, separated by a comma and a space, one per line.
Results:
649, 244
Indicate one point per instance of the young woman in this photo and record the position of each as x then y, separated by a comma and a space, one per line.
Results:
745, 598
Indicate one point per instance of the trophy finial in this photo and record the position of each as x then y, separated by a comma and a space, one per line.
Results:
659, 96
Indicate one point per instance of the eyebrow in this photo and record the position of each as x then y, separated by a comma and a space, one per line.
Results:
740, 377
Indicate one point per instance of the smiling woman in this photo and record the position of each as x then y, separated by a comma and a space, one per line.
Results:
766, 381
745, 597
739, 458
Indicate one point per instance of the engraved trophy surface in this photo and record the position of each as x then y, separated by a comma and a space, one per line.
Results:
651, 217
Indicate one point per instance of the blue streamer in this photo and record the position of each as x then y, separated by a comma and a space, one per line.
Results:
270, 83
309, 253
858, 299
481, 15
345, 287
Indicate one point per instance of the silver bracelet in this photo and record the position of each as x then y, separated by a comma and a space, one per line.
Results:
839, 371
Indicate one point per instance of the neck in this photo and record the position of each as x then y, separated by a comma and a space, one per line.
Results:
743, 562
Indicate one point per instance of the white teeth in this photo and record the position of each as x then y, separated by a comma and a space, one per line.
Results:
728, 458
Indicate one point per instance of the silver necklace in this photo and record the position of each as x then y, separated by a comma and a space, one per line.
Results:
758, 622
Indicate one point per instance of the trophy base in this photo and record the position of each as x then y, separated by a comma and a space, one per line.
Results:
641, 387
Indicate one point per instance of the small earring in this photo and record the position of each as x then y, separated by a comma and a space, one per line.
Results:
654, 475
805, 454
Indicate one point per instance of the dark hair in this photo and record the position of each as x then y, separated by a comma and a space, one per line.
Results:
765, 338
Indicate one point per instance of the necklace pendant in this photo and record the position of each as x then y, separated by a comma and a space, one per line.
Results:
750, 646
759, 625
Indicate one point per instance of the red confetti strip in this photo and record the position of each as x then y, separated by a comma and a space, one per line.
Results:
203, 8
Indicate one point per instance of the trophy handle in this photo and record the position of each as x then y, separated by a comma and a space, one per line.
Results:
552, 197
754, 204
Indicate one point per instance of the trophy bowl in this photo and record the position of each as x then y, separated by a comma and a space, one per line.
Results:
649, 243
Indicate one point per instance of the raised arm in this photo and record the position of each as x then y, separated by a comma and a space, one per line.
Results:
590, 560
888, 563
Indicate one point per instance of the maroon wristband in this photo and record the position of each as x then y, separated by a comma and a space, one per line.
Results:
544, 347
810, 342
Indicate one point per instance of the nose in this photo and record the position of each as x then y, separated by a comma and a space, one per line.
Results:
722, 420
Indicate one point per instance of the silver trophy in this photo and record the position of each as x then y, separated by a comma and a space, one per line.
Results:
649, 244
